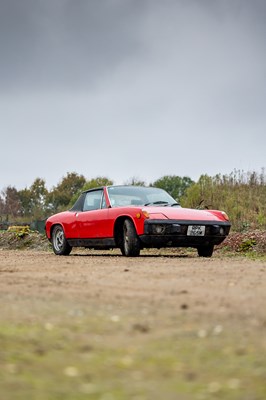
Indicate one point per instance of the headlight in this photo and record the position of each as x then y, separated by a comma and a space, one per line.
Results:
158, 229
225, 216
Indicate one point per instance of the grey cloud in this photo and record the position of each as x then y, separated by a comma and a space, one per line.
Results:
73, 44
162, 87
64, 43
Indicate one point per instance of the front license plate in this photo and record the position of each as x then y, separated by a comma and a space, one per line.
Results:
196, 230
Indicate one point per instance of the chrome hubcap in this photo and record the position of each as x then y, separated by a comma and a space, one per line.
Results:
58, 239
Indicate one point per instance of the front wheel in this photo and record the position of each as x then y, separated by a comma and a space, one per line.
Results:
205, 251
59, 242
130, 244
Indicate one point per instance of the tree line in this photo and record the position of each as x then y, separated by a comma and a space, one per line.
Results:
241, 194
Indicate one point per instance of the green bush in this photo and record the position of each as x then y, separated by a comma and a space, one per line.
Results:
247, 245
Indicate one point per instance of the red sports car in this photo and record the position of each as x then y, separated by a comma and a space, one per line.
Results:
132, 218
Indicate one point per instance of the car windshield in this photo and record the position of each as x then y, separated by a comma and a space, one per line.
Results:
139, 195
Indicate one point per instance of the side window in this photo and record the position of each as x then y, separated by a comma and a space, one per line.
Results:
104, 205
93, 200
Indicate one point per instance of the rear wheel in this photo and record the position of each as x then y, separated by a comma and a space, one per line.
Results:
130, 243
59, 243
205, 251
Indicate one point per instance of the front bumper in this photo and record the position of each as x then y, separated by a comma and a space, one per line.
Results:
169, 233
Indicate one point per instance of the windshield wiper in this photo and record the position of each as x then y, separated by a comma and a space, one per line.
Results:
175, 204
157, 202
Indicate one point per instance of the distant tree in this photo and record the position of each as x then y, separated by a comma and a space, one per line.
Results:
91, 184
11, 202
38, 193
60, 196
2, 207
200, 194
25, 197
135, 182
174, 185
97, 182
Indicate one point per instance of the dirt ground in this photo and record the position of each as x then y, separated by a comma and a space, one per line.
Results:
153, 293
222, 288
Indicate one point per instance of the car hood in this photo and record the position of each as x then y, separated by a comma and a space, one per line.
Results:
180, 213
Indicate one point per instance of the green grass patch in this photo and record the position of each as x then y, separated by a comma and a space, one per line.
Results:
103, 357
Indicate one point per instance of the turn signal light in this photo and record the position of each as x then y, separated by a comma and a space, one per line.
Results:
145, 214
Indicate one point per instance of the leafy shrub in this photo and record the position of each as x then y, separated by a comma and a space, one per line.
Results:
247, 245
20, 231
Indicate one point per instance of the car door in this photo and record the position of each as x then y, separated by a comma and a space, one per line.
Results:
93, 221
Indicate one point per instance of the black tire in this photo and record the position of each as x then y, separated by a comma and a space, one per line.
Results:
130, 243
59, 243
205, 251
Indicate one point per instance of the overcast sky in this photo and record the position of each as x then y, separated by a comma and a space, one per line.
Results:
131, 88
